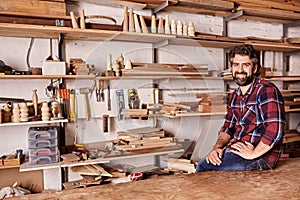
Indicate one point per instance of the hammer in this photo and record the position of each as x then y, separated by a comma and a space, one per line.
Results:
85, 92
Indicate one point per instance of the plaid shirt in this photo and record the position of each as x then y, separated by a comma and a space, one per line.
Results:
257, 116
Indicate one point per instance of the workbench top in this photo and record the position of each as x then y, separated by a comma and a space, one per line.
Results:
280, 183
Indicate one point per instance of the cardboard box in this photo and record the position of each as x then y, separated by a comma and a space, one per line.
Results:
54, 68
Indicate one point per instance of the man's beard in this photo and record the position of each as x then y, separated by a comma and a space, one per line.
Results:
243, 81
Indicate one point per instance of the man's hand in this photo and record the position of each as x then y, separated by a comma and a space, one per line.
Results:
245, 150
214, 157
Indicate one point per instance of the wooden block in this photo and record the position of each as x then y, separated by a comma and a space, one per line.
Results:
102, 170
71, 157
190, 168
130, 148
143, 24
125, 21
177, 105
12, 161
86, 170
212, 108
137, 26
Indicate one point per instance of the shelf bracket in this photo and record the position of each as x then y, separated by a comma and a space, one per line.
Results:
291, 24
160, 7
160, 44
228, 18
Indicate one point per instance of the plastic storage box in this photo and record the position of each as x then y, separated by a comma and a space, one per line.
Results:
43, 145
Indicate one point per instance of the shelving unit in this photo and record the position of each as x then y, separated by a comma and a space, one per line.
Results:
157, 40
34, 123
38, 31
26, 167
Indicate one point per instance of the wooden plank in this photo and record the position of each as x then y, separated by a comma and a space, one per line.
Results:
130, 148
295, 40
34, 6
86, 170
178, 105
101, 170
284, 5
266, 19
114, 3
203, 11
207, 4
271, 13
35, 15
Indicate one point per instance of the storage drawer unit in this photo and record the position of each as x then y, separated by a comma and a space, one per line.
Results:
43, 145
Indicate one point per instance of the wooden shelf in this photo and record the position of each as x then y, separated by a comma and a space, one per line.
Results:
9, 167
26, 167
193, 114
39, 31
33, 123
284, 78
47, 76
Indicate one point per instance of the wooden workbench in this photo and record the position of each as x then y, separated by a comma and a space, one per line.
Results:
280, 183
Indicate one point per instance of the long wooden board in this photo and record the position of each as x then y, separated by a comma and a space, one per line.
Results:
34, 6
271, 13
284, 5
207, 4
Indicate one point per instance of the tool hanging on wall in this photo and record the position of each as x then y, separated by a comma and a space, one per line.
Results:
72, 117
100, 91
120, 103
108, 98
105, 124
64, 99
85, 92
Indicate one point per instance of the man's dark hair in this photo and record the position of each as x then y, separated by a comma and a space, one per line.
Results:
246, 50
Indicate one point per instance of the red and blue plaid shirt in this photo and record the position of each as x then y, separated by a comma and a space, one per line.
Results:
257, 116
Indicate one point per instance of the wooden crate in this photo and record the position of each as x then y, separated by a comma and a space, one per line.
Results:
12, 161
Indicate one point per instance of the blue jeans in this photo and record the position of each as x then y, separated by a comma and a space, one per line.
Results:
233, 162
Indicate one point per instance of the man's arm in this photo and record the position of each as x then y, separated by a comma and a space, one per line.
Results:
248, 151
217, 152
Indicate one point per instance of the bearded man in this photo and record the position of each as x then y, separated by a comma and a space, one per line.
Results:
252, 134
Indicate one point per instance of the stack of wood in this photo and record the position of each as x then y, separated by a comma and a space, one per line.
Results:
269, 10
34, 7
282, 10
145, 140
78, 66
92, 175
134, 112
291, 100
212, 103
183, 165
291, 145
291, 136
157, 69
171, 109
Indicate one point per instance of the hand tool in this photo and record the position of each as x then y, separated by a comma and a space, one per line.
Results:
85, 92
108, 98
120, 103
105, 123
72, 106
100, 91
